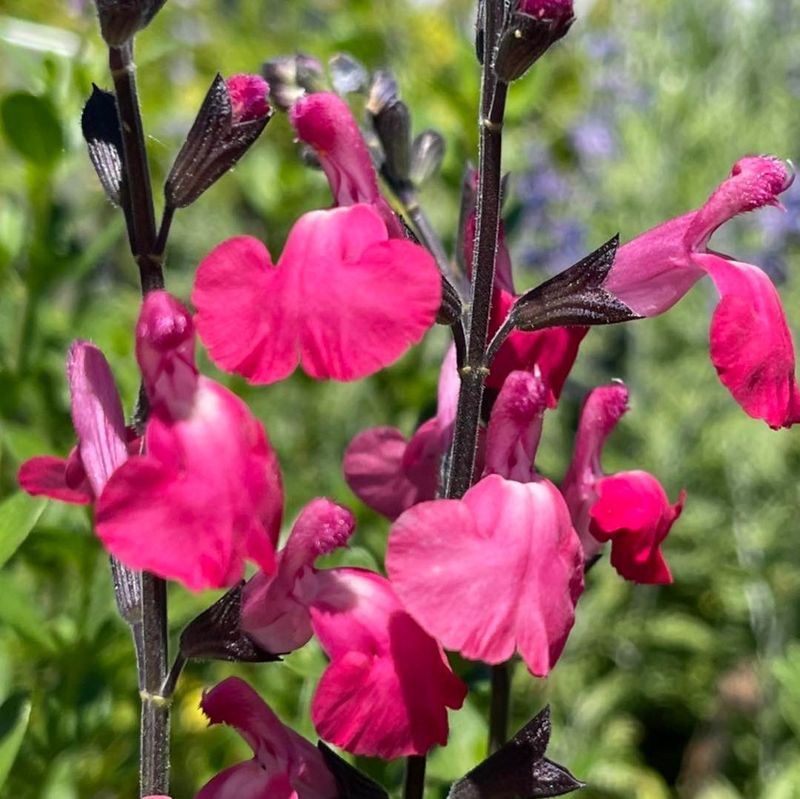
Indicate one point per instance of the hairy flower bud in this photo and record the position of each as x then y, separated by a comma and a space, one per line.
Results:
392, 123
292, 76
531, 27
121, 19
232, 116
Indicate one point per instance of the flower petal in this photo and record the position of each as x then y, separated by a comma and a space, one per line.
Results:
46, 476
389, 474
445, 559
634, 513
96, 414
751, 346
324, 121
387, 689
343, 297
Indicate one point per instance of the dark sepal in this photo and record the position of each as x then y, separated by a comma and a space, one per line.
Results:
121, 19
103, 136
214, 144
451, 309
216, 633
574, 297
427, 154
519, 769
352, 783
391, 120
523, 41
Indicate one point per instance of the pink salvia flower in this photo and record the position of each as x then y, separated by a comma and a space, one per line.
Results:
501, 569
751, 346
284, 766
389, 473
248, 95
275, 608
207, 492
324, 121
547, 9
388, 686
630, 509
343, 300
103, 439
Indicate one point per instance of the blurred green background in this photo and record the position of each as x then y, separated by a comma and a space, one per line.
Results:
690, 690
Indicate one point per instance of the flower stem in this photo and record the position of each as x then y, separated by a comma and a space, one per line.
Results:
473, 372
151, 636
415, 777
498, 711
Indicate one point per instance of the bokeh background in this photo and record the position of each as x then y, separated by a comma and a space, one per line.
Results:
690, 690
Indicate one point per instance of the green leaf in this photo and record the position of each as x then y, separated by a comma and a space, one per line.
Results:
18, 516
15, 713
32, 127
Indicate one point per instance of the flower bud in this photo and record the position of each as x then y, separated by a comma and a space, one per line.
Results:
427, 154
292, 76
103, 136
232, 116
121, 19
531, 27
392, 122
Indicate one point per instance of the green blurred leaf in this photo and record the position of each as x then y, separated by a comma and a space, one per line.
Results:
18, 516
23, 616
32, 127
15, 713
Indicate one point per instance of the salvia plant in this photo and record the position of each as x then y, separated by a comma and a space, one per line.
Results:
484, 557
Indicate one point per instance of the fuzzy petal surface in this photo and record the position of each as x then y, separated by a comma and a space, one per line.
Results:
344, 300
388, 686
497, 571
634, 513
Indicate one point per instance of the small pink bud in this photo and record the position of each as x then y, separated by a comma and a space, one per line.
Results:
248, 95
547, 9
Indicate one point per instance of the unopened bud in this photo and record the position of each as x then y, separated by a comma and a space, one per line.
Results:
531, 27
103, 136
292, 76
121, 19
427, 154
231, 118
348, 75
392, 122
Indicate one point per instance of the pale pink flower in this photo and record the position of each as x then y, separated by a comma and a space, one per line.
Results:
501, 569
343, 300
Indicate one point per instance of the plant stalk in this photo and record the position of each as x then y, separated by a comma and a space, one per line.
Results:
498, 710
147, 249
414, 787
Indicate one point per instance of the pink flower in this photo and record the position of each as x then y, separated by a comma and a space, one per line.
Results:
103, 439
389, 473
275, 607
343, 300
284, 766
207, 493
324, 121
751, 346
501, 569
547, 9
630, 509
388, 686
248, 95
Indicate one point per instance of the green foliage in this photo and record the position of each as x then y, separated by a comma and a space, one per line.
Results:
689, 690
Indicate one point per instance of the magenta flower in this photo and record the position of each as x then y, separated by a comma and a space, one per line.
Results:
284, 765
751, 346
103, 439
630, 509
207, 492
502, 568
389, 473
343, 300
275, 607
248, 95
324, 121
388, 686
547, 9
